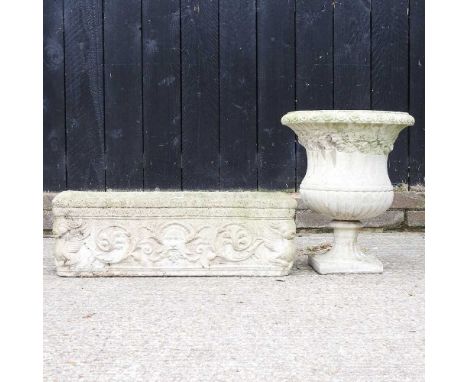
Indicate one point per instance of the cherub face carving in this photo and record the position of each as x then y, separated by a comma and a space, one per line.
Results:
174, 238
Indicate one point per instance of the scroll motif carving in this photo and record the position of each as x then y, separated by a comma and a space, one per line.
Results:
174, 242
164, 244
235, 242
113, 244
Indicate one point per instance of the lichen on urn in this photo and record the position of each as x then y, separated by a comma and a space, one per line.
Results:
365, 131
368, 117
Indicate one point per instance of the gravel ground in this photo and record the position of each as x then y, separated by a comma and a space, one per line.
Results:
303, 327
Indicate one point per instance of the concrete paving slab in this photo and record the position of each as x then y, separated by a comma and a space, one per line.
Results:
302, 327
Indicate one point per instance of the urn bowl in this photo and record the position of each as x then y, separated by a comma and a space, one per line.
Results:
347, 177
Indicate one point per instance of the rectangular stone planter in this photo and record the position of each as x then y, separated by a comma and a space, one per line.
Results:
174, 233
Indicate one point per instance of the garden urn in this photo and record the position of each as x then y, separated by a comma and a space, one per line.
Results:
347, 178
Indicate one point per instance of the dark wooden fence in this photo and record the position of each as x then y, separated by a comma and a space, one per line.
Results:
188, 94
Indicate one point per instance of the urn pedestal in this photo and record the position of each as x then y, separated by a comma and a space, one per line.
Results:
347, 177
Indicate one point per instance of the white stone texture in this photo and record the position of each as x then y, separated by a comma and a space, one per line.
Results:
174, 233
347, 178
345, 256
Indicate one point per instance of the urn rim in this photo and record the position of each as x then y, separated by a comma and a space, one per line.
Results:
365, 117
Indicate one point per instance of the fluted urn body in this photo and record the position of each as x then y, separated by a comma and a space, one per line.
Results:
347, 177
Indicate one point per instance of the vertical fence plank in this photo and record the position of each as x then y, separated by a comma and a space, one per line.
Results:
276, 143
54, 170
314, 63
123, 103
84, 94
352, 54
161, 94
200, 94
416, 84
238, 118
390, 73
217, 104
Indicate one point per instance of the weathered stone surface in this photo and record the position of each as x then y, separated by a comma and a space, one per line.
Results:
402, 200
47, 220
408, 200
309, 219
300, 203
416, 218
304, 218
47, 198
418, 187
389, 219
174, 233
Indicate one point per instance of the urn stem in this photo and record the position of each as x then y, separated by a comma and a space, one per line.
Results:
345, 256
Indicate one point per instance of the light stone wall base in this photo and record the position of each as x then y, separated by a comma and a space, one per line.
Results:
406, 213
174, 233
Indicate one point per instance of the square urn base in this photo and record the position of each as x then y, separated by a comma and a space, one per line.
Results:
174, 233
326, 264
